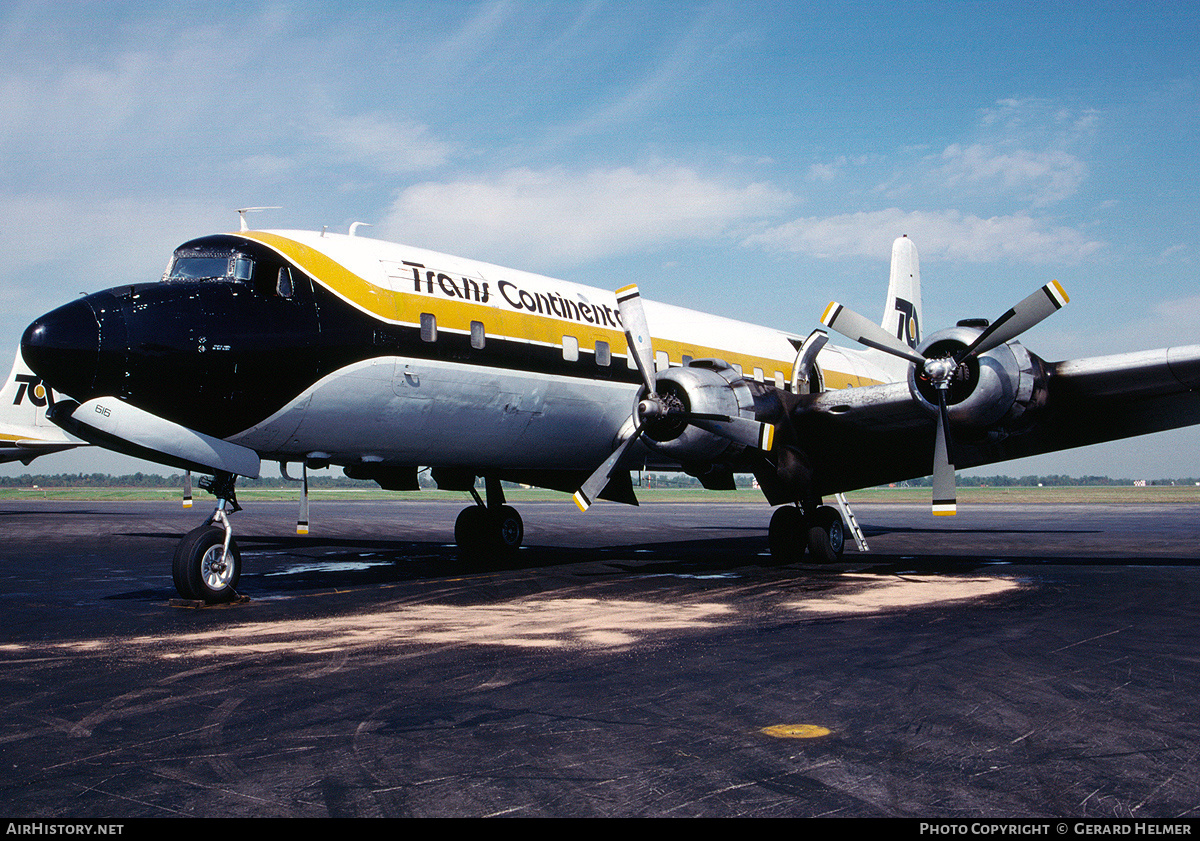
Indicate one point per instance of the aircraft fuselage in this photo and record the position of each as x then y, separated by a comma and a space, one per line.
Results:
349, 350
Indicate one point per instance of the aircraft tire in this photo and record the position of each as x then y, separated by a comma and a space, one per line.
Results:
471, 529
787, 536
479, 531
508, 530
197, 571
179, 572
826, 535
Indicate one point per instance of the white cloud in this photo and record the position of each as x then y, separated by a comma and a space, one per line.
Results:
1172, 322
1039, 177
948, 235
560, 215
390, 145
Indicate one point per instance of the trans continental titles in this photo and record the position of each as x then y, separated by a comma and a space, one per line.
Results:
432, 282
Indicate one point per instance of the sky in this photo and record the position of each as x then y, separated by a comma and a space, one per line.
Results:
751, 159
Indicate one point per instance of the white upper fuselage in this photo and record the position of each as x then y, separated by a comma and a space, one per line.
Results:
441, 410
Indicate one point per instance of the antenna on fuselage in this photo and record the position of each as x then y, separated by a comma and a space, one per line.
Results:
354, 227
244, 210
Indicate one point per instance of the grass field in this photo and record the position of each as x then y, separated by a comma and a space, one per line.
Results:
1057, 495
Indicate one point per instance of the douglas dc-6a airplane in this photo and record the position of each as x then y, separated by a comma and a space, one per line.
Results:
319, 349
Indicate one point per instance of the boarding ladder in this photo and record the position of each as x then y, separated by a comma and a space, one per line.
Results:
851, 523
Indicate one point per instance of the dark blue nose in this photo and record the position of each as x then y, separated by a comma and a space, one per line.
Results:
63, 347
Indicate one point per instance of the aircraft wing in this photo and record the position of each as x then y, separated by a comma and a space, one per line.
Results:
862, 437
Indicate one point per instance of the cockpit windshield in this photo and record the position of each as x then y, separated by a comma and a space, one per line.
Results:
196, 265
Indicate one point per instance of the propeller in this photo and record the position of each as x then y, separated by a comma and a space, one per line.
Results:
656, 407
940, 371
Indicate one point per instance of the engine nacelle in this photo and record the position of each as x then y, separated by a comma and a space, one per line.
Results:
705, 386
994, 389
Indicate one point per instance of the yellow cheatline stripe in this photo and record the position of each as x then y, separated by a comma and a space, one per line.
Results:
406, 308
28, 439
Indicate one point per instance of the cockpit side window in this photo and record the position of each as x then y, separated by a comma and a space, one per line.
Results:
283, 284
243, 267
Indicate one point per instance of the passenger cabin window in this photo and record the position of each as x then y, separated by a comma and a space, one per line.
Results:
661, 361
570, 348
779, 379
428, 327
758, 375
603, 354
478, 336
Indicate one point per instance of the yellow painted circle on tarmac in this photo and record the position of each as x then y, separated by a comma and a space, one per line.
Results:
796, 731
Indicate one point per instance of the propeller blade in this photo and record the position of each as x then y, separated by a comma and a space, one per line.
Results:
1038, 306
595, 484
944, 494
866, 332
637, 333
752, 433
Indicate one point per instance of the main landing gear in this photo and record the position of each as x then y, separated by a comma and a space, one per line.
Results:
793, 529
207, 562
489, 528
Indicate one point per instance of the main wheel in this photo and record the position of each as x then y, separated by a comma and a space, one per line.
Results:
826, 535
480, 530
508, 530
203, 569
471, 529
787, 535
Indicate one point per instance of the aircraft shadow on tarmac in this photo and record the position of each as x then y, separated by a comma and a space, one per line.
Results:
285, 564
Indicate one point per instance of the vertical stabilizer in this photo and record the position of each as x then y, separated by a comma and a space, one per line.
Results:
25, 432
902, 309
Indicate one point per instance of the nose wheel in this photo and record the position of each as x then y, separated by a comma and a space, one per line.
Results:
206, 567
207, 563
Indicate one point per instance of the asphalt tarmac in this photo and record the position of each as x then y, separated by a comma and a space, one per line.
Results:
1016, 661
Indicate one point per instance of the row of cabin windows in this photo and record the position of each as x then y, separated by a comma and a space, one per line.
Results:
570, 349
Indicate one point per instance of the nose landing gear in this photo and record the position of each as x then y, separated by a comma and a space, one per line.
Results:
207, 563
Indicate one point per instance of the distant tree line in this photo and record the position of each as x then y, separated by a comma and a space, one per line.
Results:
155, 480
1048, 481
647, 479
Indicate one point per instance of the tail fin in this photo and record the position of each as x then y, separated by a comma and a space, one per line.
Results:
902, 309
25, 432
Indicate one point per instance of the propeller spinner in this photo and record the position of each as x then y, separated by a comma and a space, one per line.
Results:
941, 370
658, 407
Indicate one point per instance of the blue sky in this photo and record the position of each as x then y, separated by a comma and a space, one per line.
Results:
751, 159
